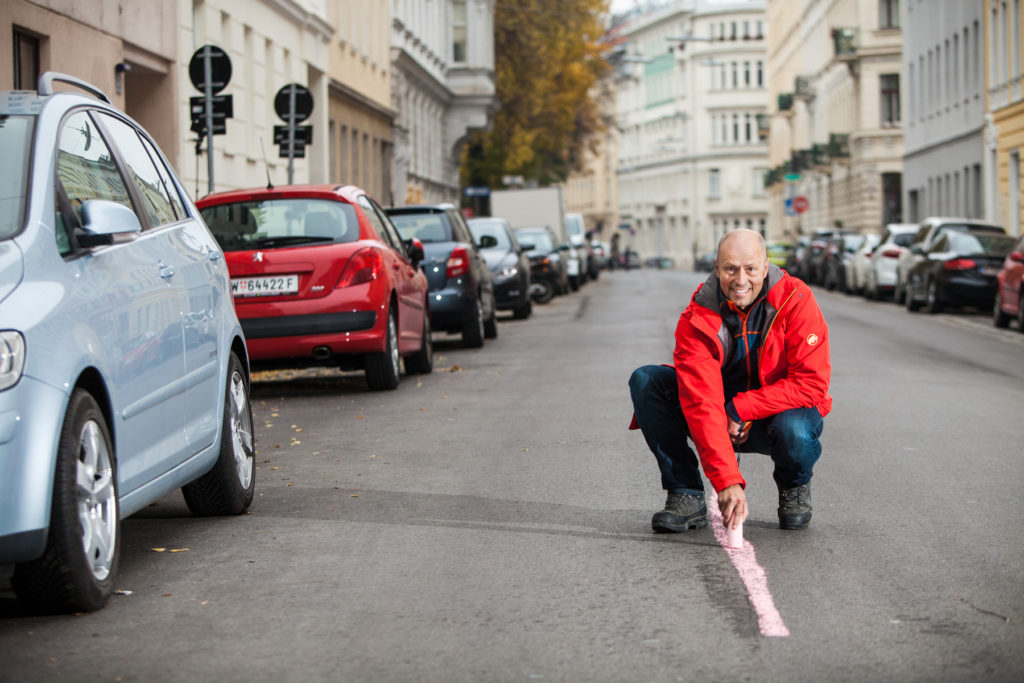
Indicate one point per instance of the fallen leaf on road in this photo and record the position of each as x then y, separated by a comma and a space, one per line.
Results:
122, 592
158, 550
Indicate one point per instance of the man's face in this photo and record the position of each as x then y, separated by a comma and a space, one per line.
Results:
741, 267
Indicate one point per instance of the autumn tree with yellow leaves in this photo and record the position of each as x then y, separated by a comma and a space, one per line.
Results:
548, 55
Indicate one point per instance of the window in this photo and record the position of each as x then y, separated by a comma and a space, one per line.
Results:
459, 31
735, 75
890, 91
735, 128
749, 128
888, 13
26, 61
746, 74
714, 189
85, 167
760, 74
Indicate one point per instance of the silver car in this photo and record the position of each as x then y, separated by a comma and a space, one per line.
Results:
123, 369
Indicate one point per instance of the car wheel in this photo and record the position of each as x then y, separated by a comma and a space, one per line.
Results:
899, 293
422, 362
227, 489
999, 318
908, 299
473, 328
76, 572
1020, 312
383, 369
932, 302
524, 311
491, 324
542, 291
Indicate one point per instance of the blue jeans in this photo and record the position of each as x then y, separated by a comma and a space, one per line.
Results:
790, 438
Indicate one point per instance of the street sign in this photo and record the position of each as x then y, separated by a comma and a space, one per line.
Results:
303, 135
220, 68
293, 103
789, 211
223, 109
473, 191
298, 152
800, 204
792, 176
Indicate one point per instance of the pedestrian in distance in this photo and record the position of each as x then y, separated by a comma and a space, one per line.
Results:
750, 374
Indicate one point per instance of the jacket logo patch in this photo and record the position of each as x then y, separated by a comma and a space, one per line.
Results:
812, 339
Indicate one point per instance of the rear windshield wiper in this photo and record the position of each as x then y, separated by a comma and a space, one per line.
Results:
290, 240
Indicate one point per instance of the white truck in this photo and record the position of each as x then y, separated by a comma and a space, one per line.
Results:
539, 207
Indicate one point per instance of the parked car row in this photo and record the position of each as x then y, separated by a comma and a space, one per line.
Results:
938, 264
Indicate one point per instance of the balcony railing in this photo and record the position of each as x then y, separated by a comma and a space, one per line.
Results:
838, 145
785, 101
802, 87
844, 40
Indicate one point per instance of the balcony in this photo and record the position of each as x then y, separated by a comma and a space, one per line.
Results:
802, 88
785, 101
844, 40
763, 125
838, 145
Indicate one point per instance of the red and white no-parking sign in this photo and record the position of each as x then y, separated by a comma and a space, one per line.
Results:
800, 204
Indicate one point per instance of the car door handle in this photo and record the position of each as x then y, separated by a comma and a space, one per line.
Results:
166, 271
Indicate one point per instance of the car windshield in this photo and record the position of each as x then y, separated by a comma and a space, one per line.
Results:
494, 229
540, 239
15, 145
264, 224
980, 244
903, 239
853, 242
426, 227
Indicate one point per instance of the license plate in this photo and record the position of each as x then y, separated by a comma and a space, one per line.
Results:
265, 286
989, 270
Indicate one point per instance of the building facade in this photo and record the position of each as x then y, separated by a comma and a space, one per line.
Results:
593, 191
944, 59
691, 84
132, 55
442, 88
836, 126
1004, 134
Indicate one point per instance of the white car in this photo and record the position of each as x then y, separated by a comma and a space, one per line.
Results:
857, 267
880, 276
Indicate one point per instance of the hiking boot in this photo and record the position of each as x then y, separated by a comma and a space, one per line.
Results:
682, 511
795, 507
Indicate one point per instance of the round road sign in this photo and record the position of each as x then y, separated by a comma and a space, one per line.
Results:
220, 69
303, 103
800, 204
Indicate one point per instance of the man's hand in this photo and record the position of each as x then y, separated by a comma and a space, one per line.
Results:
732, 502
739, 431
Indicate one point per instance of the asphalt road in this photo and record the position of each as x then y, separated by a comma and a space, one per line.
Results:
491, 522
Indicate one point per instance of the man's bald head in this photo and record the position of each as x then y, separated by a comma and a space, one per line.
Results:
747, 238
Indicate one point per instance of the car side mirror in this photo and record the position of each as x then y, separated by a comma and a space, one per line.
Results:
414, 250
526, 246
102, 219
487, 242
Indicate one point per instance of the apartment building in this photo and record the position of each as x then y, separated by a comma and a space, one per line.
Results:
1004, 133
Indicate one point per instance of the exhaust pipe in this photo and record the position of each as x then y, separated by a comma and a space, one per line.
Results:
322, 352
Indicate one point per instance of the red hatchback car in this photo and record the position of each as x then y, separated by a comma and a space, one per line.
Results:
1010, 291
321, 277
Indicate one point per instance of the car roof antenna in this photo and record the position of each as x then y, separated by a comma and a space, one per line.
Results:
266, 164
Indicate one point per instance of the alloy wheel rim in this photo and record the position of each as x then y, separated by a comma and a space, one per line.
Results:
393, 341
96, 500
241, 430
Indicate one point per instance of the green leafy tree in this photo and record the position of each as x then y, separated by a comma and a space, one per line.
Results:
548, 55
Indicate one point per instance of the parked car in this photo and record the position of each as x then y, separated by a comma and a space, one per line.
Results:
959, 269
833, 266
461, 284
813, 262
1009, 301
705, 262
548, 276
320, 277
796, 260
602, 252
857, 266
123, 369
576, 229
928, 233
880, 278
508, 263
778, 252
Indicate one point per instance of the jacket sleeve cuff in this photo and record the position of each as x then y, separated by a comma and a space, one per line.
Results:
730, 410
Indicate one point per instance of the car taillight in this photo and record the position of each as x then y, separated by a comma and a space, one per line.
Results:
458, 262
363, 266
891, 253
960, 264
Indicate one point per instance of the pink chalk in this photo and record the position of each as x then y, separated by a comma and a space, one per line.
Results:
734, 538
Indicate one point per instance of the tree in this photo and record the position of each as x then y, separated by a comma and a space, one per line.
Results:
548, 56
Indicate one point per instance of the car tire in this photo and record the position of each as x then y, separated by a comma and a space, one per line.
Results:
491, 325
999, 318
542, 291
933, 304
908, 299
1020, 313
383, 369
523, 312
77, 570
422, 362
227, 489
473, 327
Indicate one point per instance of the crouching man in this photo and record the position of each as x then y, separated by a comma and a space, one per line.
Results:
751, 374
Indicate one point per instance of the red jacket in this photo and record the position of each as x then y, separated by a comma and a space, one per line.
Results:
794, 368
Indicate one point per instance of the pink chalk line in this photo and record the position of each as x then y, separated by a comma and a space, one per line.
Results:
754, 578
